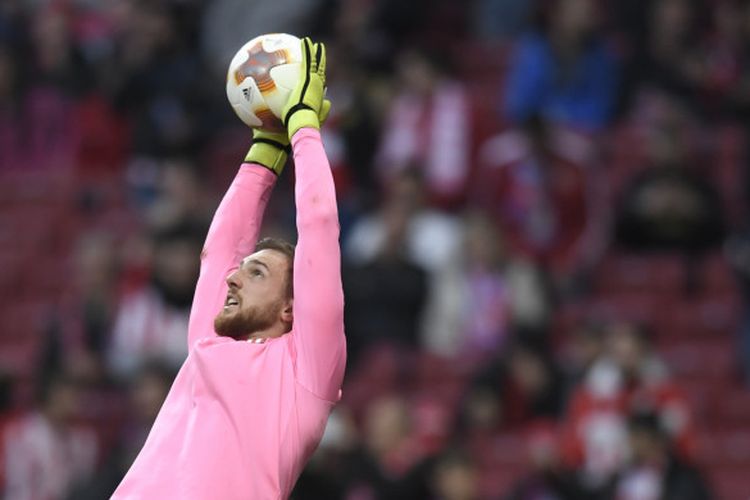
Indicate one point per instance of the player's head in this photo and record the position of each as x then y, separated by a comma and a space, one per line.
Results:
259, 298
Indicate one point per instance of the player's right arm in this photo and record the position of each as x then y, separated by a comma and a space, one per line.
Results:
234, 229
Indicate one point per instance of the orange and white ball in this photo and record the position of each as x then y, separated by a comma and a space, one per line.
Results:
260, 78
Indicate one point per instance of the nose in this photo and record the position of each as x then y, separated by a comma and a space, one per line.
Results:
233, 280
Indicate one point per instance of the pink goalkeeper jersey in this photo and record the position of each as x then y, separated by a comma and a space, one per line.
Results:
242, 418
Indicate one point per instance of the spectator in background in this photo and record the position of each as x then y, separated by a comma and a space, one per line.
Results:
739, 93
564, 71
722, 59
504, 19
57, 60
547, 479
490, 293
647, 383
594, 437
151, 321
228, 24
671, 204
88, 318
146, 393
36, 125
155, 78
584, 348
7, 409
11, 20
738, 254
389, 463
433, 239
46, 454
655, 472
325, 474
376, 32
664, 56
181, 194
352, 131
385, 296
428, 126
512, 392
535, 184
455, 477
629, 377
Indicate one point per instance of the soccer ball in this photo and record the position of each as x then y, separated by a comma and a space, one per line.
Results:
260, 78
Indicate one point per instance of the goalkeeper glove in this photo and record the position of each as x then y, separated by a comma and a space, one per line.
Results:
269, 149
306, 106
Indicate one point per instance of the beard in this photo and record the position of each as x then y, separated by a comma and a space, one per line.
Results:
242, 323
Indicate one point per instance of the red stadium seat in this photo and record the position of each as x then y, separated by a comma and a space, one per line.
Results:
717, 276
501, 460
733, 408
476, 58
725, 456
713, 360
701, 395
620, 273
499, 450
496, 482
709, 317
729, 160
730, 483
631, 306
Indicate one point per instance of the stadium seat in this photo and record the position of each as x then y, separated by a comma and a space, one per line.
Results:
477, 58
730, 483
622, 273
710, 359
712, 316
732, 409
717, 276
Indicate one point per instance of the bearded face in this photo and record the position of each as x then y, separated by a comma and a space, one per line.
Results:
257, 302
240, 323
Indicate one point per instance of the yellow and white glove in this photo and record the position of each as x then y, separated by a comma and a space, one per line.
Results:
307, 106
269, 149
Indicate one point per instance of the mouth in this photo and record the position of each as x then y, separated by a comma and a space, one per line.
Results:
231, 302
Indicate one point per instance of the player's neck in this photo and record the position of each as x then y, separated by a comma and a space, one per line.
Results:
272, 332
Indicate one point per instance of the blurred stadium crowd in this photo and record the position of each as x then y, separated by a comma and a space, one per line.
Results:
547, 264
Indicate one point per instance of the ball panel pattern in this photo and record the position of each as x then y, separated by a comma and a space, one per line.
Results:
260, 78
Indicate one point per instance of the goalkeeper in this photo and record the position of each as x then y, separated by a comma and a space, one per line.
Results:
266, 335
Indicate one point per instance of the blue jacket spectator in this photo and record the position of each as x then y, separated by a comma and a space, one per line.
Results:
579, 93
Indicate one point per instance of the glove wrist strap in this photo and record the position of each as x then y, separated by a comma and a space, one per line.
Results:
269, 153
304, 117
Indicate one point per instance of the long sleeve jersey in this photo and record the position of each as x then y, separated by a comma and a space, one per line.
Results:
242, 418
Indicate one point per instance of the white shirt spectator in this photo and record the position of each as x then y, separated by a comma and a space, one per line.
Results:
43, 462
146, 327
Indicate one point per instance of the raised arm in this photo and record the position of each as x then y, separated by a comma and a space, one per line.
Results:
234, 229
318, 332
232, 236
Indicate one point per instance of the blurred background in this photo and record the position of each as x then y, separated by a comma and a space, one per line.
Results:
543, 212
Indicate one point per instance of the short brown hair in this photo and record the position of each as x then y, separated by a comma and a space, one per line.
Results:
287, 249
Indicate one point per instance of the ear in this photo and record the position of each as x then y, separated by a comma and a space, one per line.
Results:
287, 312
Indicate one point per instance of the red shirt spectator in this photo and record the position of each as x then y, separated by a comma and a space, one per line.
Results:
535, 185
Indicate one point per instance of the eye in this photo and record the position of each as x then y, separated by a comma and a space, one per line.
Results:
256, 272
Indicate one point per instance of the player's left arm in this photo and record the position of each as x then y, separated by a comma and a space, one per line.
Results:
318, 295
318, 333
